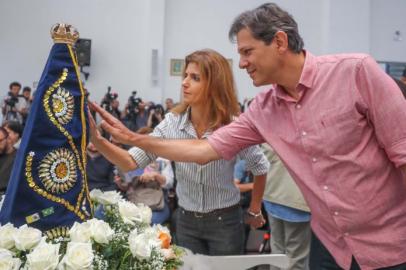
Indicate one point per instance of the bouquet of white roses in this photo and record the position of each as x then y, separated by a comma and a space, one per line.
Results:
125, 240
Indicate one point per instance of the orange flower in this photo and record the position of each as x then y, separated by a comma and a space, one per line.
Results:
165, 239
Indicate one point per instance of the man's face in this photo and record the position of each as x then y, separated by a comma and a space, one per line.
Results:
169, 103
15, 90
27, 94
3, 142
260, 60
13, 137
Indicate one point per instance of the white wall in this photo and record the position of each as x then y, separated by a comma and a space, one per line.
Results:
193, 25
386, 18
122, 33
125, 32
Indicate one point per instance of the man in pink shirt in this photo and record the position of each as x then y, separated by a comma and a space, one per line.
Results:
338, 122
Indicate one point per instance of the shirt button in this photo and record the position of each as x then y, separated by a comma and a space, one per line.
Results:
346, 234
314, 159
304, 133
298, 106
325, 187
336, 213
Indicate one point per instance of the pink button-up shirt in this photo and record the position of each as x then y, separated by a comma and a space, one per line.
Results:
343, 142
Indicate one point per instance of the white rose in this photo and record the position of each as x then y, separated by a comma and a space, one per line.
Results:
109, 197
80, 232
43, 257
141, 244
95, 194
129, 212
6, 236
101, 231
26, 237
79, 256
7, 262
146, 213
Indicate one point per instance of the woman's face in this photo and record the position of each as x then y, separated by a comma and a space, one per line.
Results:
192, 84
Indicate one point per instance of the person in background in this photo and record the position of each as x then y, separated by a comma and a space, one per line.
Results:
209, 217
26, 95
288, 214
156, 115
403, 77
159, 171
12, 132
12, 106
100, 171
338, 122
169, 105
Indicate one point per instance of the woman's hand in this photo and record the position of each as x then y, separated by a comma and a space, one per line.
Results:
95, 136
113, 126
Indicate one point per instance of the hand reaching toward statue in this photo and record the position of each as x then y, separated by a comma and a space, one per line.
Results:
113, 126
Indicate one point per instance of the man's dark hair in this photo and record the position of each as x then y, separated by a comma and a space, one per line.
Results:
26, 89
16, 127
14, 84
263, 23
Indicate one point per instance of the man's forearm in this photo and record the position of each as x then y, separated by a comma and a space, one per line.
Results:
198, 151
257, 193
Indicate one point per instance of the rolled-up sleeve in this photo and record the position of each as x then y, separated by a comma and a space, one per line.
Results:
386, 109
256, 162
143, 158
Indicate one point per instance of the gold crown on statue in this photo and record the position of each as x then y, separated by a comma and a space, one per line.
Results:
64, 33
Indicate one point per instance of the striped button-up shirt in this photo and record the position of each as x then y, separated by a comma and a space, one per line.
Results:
343, 142
202, 188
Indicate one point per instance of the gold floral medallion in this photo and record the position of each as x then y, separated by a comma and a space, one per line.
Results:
57, 171
63, 105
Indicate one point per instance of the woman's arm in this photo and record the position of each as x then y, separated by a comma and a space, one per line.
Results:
116, 155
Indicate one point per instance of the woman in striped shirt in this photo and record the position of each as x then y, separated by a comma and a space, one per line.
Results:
209, 218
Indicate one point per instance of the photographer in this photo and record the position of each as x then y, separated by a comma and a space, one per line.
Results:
135, 114
12, 106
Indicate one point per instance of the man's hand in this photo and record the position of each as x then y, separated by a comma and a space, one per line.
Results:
113, 126
255, 221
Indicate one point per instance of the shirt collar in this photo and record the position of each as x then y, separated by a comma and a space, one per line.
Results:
309, 70
184, 119
306, 78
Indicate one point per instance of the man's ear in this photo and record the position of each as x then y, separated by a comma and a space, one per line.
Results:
281, 41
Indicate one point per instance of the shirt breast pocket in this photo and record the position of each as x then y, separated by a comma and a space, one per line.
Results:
341, 131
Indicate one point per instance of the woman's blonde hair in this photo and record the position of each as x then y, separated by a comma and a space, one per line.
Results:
219, 91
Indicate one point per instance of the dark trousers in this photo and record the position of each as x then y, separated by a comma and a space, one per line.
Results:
321, 259
213, 234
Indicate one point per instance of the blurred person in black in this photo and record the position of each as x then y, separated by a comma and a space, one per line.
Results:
135, 114
100, 172
10, 137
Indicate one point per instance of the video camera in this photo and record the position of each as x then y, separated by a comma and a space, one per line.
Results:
11, 100
108, 98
